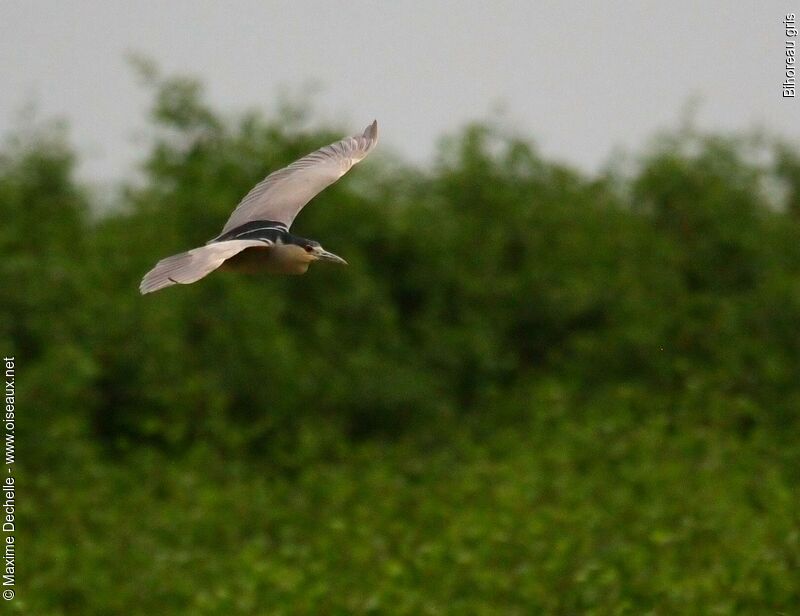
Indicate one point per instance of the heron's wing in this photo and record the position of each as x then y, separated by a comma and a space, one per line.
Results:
191, 266
282, 194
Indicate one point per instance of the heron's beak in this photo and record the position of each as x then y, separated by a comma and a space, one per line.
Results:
329, 256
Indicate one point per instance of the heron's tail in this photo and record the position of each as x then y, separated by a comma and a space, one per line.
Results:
191, 266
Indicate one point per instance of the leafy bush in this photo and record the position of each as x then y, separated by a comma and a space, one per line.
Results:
532, 390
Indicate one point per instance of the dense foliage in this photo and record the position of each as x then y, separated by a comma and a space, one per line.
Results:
532, 391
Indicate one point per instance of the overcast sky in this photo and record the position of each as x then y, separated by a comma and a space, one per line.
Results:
578, 78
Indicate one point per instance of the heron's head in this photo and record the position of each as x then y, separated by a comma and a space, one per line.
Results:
315, 252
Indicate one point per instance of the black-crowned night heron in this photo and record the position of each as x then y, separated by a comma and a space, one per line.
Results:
256, 235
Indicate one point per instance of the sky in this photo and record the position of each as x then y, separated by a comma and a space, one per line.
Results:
582, 80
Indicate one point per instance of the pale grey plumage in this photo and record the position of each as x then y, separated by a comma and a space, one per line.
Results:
191, 266
265, 215
282, 194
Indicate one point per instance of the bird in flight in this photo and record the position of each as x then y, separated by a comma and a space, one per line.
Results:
256, 236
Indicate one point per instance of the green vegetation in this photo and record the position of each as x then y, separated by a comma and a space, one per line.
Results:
532, 391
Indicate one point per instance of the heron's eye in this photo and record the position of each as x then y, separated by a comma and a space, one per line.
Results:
309, 248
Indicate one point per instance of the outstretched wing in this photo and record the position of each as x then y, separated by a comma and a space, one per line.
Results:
282, 194
191, 266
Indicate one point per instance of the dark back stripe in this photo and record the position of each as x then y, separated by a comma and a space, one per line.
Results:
255, 230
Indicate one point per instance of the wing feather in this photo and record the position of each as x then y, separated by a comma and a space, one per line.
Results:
282, 194
191, 266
